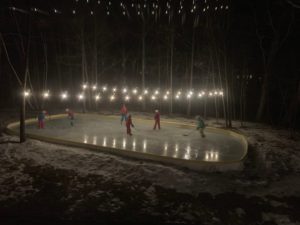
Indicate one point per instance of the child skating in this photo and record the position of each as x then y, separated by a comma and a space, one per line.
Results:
156, 119
41, 119
200, 125
129, 124
124, 112
70, 114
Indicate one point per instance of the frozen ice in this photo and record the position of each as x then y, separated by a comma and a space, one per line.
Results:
170, 141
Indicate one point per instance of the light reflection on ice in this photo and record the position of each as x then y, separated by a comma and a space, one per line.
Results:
85, 139
95, 140
211, 156
144, 145
124, 143
165, 149
133, 144
104, 141
187, 154
176, 147
114, 143
176, 151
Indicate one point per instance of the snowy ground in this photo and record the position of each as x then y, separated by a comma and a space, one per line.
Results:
49, 184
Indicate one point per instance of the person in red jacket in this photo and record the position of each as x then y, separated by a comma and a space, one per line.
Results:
129, 124
41, 119
124, 112
157, 120
70, 114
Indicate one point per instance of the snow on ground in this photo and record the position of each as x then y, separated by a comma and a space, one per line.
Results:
40, 181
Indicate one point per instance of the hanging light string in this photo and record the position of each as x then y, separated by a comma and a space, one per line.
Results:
138, 7
127, 94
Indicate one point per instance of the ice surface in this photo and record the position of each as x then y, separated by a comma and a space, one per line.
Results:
170, 141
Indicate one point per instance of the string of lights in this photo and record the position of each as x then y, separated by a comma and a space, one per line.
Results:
134, 8
128, 94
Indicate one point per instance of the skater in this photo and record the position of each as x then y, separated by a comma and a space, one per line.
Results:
200, 125
129, 124
157, 119
41, 119
124, 112
70, 114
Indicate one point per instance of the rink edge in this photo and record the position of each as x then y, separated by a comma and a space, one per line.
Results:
191, 164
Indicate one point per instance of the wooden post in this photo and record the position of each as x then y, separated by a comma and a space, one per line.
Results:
22, 118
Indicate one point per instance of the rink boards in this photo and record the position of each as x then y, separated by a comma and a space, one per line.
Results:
220, 150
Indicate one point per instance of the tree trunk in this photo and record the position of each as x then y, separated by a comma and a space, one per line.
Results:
192, 72
83, 67
143, 61
171, 71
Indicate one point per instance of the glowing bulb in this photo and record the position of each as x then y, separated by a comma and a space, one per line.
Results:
140, 98
153, 97
112, 98
114, 89
210, 93
177, 96
94, 87
80, 96
97, 97
221, 93
64, 95
134, 91
179, 93
200, 95
26, 93
84, 86
165, 97
215, 92
145, 92
156, 92
46, 94
104, 88
124, 90
167, 93
127, 97
188, 96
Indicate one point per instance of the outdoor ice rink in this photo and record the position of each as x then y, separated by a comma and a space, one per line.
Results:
170, 141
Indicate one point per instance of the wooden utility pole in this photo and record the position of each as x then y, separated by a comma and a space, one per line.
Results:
22, 117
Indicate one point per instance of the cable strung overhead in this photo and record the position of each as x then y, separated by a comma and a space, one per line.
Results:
130, 8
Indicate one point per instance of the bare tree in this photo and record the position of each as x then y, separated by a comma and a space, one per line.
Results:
277, 37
